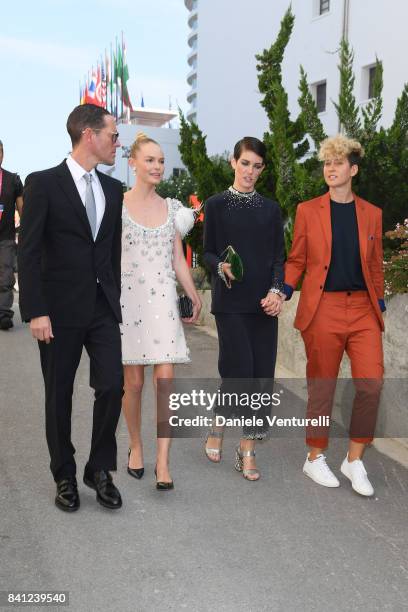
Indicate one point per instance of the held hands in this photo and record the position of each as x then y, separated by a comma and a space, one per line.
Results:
272, 304
226, 267
196, 309
41, 329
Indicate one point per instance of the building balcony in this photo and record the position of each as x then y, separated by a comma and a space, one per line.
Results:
191, 5
192, 39
191, 77
192, 115
191, 96
192, 56
193, 20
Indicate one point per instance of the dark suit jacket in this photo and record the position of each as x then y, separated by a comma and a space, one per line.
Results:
58, 260
311, 253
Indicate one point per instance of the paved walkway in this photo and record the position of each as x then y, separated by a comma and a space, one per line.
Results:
215, 543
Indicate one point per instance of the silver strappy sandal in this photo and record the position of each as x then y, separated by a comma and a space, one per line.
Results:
213, 454
239, 464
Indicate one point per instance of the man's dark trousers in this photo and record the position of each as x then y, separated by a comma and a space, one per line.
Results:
7, 260
59, 362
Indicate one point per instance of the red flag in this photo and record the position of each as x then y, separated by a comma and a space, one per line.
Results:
90, 93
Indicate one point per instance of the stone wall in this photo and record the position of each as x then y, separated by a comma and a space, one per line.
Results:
393, 413
291, 353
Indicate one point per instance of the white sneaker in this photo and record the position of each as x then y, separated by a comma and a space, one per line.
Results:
319, 471
355, 471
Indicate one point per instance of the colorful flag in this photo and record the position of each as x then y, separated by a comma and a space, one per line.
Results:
90, 97
98, 90
108, 84
107, 80
103, 86
125, 74
118, 68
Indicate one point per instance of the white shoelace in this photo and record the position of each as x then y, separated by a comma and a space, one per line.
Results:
322, 461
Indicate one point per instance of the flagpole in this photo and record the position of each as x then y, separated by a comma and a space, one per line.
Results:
121, 89
117, 100
111, 81
106, 79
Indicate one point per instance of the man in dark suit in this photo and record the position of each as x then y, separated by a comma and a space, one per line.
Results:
69, 278
11, 197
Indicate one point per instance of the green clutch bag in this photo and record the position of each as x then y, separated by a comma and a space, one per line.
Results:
237, 267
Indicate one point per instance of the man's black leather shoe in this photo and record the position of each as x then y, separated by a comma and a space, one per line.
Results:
67, 498
6, 323
106, 492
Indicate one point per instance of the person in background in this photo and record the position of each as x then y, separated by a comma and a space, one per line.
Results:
11, 198
337, 246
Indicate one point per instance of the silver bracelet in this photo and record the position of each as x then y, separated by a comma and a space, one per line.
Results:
220, 271
221, 274
277, 291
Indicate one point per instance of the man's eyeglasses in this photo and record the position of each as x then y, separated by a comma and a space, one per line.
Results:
114, 135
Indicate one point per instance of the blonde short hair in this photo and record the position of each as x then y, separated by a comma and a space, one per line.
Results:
339, 147
141, 139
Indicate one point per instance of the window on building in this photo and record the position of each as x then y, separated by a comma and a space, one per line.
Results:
324, 6
371, 79
321, 94
177, 172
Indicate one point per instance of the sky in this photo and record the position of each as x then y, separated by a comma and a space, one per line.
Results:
48, 46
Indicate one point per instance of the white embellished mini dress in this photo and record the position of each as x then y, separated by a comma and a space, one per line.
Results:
152, 331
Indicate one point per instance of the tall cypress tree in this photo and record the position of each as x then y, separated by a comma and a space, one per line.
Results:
293, 172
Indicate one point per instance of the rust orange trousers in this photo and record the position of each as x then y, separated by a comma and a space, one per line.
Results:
344, 322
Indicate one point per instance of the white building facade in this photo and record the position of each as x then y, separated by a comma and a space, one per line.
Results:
225, 36
154, 123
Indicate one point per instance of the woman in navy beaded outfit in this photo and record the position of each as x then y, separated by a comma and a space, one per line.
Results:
152, 259
247, 334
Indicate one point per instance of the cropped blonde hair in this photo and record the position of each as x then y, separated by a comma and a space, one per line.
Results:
339, 147
141, 139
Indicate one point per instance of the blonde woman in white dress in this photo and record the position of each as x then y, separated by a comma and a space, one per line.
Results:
152, 260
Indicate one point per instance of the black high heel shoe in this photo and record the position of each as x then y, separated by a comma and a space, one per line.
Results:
163, 486
135, 472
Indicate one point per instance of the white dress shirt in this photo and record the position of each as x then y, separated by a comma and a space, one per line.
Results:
77, 172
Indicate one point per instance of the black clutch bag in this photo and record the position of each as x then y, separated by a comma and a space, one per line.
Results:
185, 305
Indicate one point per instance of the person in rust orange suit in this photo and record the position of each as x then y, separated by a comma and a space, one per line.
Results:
337, 250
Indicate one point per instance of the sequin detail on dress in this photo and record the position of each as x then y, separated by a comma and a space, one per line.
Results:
151, 331
237, 200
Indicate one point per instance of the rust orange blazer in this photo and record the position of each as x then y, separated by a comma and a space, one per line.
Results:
311, 252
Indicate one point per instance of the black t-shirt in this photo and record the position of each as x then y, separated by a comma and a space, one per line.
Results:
345, 273
11, 189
